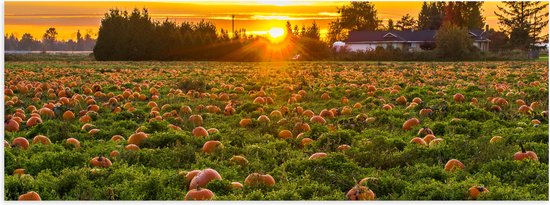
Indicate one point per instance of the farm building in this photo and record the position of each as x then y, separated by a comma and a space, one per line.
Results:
409, 40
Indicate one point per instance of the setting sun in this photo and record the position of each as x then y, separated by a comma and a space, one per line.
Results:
276, 34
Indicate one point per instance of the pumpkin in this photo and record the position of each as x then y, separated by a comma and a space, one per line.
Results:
117, 138
199, 194
29, 196
74, 142
343, 147
318, 155
240, 160
256, 179
525, 109
263, 119
6, 144
418, 140
306, 141
495, 139
458, 97
285, 134
11, 125
245, 122
21, 142
93, 131
429, 138
19, 172
204, 177
200, 132
410, 123
137, 138
196, 120
32, 121
317, 119
68, 115
131, 147
114, 153
360, 193
524, 155
302, 127
100, 161
401, 100
211, 146
325, 96
474, 191
236, 185
425, 131
453, 165
191, 174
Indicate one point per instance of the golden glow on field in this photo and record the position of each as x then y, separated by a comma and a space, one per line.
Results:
276, 34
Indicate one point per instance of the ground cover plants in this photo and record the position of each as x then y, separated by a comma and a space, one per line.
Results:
276, 131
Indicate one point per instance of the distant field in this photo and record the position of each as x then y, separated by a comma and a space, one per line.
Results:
140, 130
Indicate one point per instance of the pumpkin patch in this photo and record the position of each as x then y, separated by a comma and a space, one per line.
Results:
276, 131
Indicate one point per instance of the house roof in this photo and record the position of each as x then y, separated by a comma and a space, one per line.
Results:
408, 35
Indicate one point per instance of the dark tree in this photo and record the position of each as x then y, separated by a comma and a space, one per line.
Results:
390, 25
454, 43
406, 22
523, 22
431, 15
49, 39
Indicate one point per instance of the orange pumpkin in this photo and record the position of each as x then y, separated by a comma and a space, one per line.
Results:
418, 140
32, 121
524, 155
429, 138
236, 185
495, 139
211, 146
245, 122
256, 179
74, 142
117, 138
453, 165
29, 196
20, 142
344, 147
100, 162
11, 125
204, 177
199, 194
131, 147
318, 155
317, 119
200, 132
410, 123
240, 160
458, 97
191, 174
68, 115
137, 138
285, 134
360, 193
476, 190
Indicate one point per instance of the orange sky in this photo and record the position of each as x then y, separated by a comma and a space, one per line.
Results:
255, 16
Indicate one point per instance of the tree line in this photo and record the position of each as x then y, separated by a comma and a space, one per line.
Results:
135, 36
49, 42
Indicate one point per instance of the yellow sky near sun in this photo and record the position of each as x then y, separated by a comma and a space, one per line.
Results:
256, 17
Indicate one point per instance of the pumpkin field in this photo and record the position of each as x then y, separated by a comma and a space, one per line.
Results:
276, 130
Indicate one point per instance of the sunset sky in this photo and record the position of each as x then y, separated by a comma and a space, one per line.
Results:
257, 17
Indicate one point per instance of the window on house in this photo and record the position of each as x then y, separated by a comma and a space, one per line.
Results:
413, 45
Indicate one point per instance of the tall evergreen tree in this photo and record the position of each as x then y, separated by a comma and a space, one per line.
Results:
390, 26
406, 22
523, 21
